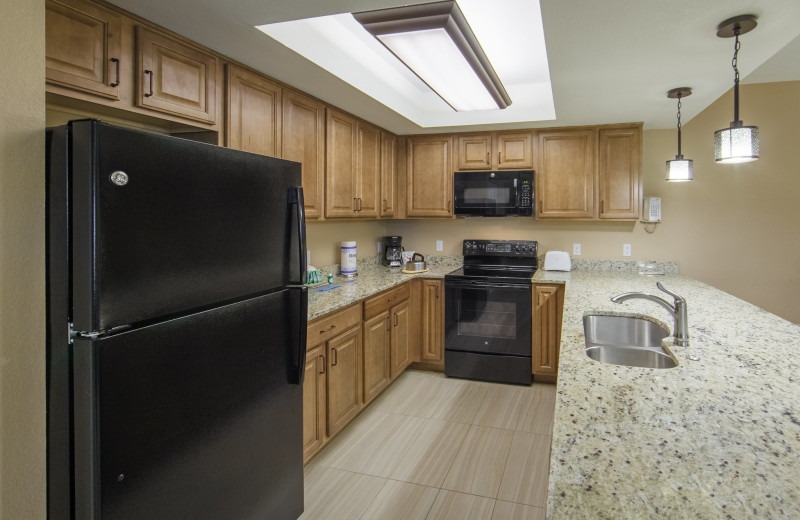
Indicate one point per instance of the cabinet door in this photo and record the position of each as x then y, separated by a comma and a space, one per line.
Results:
565, 179
176, 78
432, 321
514, 151
618, 173
344, 379
429, 176
475, 152
388, 173
368, 169
377, 333
340, 165
254, 113
303, 140
548, 304
82, 47
401, 338
314, 396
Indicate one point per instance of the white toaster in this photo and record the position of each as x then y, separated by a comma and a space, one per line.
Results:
557, 261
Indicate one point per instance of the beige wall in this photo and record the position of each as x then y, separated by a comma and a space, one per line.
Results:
325, 239
734, 227
22, 326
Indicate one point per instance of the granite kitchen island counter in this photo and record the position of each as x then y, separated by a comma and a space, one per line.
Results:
718, 437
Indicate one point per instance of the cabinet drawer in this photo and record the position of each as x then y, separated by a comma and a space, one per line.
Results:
330, 326
383, 301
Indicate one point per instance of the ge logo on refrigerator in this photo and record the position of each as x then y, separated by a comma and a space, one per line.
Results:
119, 178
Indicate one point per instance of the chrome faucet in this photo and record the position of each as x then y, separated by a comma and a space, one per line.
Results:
678, 311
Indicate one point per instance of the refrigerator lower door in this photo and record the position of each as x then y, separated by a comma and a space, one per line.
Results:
193, 417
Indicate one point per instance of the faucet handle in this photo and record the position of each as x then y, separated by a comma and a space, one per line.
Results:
677, 298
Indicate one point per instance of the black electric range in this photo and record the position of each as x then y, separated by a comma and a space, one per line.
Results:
488, 312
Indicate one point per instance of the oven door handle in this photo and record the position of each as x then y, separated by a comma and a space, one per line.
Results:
487, 285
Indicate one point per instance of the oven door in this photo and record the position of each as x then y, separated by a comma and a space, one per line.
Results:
485, 193
488, 317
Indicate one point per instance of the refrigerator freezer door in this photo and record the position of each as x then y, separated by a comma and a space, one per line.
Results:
193, 417
162, 225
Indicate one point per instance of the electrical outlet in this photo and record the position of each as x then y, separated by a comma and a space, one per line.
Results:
576, 250
440, 245
626, 250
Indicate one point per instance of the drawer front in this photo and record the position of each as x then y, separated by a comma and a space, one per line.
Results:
377, 304
323, 329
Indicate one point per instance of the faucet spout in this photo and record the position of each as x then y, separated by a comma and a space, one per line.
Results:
676, 310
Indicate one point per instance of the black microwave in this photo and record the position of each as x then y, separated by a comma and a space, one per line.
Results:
493, 194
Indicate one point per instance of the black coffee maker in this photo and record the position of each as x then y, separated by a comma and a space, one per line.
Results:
392, 246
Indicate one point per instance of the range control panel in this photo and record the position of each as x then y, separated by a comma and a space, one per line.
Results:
507, 248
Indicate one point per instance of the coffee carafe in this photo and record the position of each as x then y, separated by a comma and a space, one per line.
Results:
392, 246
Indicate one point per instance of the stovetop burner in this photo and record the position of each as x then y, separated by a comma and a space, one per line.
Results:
498, 259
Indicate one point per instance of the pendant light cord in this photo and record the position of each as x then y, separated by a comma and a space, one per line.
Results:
734, 63
679, 125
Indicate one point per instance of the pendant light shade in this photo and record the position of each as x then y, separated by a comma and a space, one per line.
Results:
679, 169
738, 143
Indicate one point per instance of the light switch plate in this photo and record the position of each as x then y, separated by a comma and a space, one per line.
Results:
576, 250
626, 250
440, 245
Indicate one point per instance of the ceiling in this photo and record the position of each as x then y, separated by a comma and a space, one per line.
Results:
610, 62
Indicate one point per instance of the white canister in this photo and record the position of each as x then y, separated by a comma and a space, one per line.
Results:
348, 265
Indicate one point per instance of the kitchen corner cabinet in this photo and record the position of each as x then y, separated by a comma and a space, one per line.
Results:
432, 322
82, 47
254, 113
303, 140
495, 151
175, 77
352, 176
386, 339
332, 394
429, 174
619, 178
565, 175
548, 309
388, 174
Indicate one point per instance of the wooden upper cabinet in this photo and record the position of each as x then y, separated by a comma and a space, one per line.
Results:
429, 176
619, 178
495, 151
368, 169
514, 150
388, 174
475, 152
254, 113
175, 78
565, 174
303, 140
340, 165
82, 47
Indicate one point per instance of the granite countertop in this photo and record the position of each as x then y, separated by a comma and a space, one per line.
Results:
714, 438
372, 278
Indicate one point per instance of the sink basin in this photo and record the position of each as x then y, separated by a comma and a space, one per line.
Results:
626, 340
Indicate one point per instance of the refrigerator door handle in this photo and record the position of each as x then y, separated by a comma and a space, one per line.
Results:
297, 354
296, 199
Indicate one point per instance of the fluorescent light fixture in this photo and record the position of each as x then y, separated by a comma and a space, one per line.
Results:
437, 44
510, 33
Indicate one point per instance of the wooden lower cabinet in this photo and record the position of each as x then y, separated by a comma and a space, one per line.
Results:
548, 309
314, 401
432, 322
344, 379
401, 339
377, 355
387, 349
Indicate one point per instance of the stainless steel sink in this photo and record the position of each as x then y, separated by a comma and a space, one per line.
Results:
627, 340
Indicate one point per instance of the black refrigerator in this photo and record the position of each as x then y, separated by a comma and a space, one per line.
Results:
176, 328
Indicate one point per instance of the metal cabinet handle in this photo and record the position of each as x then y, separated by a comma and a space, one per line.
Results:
115, 61
500, 157
388, 323
395, 319
437, 291
393, 298
360, 207
323, 365
384, 205
448, 205
355, 204
335, 357
149, 73
488, 157
602, 206
328, 329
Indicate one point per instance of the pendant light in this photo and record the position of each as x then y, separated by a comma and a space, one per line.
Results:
679, 169
738, 143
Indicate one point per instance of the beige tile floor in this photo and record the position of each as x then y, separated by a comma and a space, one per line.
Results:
435, 448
